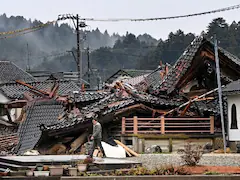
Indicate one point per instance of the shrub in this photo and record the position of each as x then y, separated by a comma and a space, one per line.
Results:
171, 170
191, 154
211, 173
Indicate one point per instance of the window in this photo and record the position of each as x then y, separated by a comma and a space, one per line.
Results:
234, 117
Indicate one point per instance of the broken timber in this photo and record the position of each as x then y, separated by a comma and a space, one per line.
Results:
126, 148
78, 142
195, 99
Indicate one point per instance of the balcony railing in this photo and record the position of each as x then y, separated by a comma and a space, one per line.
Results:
170, 125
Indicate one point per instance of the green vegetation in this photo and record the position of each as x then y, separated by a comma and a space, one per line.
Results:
108, 53
191, 154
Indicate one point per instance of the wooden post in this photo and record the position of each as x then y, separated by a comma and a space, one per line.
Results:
162, 125
170, 144
135, 125
212, 124
123, 125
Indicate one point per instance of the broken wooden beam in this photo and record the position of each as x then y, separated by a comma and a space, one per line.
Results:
127, 148
195, 99
78, 142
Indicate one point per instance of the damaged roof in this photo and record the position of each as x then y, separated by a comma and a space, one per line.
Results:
38, 113
127, 72
16, 91
10, 72
103, 107
182, 65
87, 96
232, 88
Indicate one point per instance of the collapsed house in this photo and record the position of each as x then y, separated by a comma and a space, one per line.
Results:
163, 107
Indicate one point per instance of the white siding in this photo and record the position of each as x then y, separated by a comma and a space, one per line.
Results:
3, 99
234, 134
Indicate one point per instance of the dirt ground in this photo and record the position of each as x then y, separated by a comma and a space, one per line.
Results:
213, 169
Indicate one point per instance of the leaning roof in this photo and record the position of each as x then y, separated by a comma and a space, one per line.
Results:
10, 72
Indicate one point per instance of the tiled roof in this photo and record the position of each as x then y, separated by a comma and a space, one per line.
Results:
136, 72
16, 91
10, 72
38, 113
233, 87
135, 80
105, 106
127, 72
158, 101
88, 96
182, 65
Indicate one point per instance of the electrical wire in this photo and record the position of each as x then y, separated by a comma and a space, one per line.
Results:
27, 29
20, 34
163, 18
51, 55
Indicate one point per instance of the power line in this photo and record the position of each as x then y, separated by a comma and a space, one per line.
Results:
20, 34
26, 29
163, 18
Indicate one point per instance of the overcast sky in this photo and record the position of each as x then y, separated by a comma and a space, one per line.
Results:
47, 10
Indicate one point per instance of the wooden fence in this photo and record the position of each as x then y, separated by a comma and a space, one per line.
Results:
164, 125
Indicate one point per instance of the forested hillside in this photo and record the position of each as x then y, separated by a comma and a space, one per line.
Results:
108, 53
53, 39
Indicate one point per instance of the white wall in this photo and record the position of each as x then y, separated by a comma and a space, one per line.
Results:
234, 134
3, 99
15, 113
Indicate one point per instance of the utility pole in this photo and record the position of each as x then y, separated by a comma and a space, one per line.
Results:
77, 25
28, 60
219, 91
88, 62
78, 51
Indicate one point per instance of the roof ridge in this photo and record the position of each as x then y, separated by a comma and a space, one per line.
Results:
180, 57
21, 69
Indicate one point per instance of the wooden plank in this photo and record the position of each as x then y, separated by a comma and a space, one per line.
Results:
128, 123
193, 119
78, 142
153, 119
149, 127
162, 125
126, 148
186, 123
128, 153
185, 126
135, 127
212, 124
149, 123
149, 119
177, 131
123, 125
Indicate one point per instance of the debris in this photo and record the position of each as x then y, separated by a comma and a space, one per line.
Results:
228, 150
78, 142
31, 153
126, 148
57, 149
113, 151
154, 149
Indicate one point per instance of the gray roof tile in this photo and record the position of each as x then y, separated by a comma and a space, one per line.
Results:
10, 72
37, 113
16, 91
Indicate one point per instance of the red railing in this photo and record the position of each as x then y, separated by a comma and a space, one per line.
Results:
164, 125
